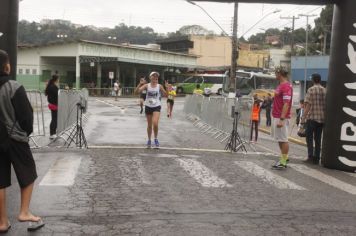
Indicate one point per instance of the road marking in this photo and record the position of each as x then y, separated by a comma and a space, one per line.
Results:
159, 155
160, 148
267, 176
63, 172
351, 174
202, 174
133, 172
336, 183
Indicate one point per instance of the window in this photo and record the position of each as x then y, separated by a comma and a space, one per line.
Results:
28, 71
20, 71
34, 71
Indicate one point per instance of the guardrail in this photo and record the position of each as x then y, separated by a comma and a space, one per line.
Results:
214, 115
109, 92
36, 100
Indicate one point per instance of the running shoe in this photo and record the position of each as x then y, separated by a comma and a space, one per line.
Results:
279, 166
156, 143
149, 144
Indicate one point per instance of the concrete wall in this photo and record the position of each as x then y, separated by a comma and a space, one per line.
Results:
253, 58
213, 51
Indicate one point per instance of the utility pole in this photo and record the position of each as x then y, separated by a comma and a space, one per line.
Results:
306, 52
234, 53
293, 18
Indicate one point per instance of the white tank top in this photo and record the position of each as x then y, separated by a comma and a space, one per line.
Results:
153, 96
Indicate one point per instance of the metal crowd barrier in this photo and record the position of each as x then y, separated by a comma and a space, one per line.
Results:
36, 100
214, 115
109, 92
69, 104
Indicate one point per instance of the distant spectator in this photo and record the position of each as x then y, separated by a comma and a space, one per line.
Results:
51, 92
255, 116
299, 111
267, 104
197, 90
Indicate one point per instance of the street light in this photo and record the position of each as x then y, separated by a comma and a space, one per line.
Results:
193, 3
273, 12
306, 52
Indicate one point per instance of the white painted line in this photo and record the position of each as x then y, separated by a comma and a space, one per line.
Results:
336, 183
202, 174
161, 148
158, 155
267, 176
63, 172
191, 156
351, 174
132, 171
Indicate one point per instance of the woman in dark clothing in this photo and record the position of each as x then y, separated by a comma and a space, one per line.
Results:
52, 98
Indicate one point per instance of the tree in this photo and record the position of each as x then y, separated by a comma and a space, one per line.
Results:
194, 30
322, 30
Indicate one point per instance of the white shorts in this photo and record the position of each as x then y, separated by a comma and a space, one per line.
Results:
280, 134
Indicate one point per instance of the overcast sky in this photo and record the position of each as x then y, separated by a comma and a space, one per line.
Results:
163, 15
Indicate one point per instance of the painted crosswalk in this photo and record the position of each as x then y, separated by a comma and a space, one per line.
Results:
62, 172
134, 173
267, 176
327, 179
202, 174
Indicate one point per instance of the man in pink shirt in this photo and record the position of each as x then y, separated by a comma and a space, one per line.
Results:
282, 104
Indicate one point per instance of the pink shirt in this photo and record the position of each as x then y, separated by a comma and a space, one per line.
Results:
283, 94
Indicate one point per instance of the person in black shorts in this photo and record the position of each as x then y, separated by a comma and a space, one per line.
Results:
142, 94
17, 115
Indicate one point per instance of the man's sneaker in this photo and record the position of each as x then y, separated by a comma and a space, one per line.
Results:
279, 166
156, 143
149, 144
53, 136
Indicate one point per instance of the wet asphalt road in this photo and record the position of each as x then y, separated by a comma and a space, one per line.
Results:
188, 187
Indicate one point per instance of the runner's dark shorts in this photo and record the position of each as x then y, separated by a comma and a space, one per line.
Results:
170, 101
150, 110
143, 96
20, 156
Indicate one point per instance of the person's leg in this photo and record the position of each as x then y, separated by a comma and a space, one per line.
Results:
25, 214
155, 121
141, 105
52, 127
251, 132
309, 138
168, 108
317, 139
171, 109
3, 211
149, 125
256, 130
55, 116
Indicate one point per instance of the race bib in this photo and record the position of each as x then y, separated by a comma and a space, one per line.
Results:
152, 101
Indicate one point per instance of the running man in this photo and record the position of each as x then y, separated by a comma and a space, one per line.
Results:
170, 100
152, 105
142, 94
282, 104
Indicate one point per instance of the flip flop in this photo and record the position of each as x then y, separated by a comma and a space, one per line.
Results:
6, 230
34, 225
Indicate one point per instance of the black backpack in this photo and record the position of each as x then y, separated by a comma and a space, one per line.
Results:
5, 136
